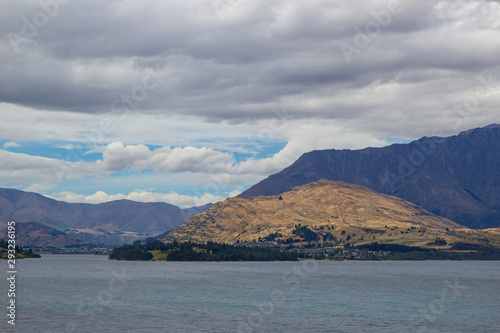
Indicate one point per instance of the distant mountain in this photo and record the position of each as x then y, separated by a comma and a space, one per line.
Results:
326, 211
456, 177
40, 235
94, 223
188, 212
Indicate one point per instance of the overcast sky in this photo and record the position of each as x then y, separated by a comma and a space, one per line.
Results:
190, 102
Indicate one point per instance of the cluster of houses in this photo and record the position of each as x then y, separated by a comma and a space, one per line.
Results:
331, 253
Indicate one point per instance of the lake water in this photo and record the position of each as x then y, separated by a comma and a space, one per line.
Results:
84, 293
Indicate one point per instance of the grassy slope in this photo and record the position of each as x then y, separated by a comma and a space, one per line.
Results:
339, 208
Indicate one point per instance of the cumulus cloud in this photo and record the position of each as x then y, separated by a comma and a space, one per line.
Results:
117, 157
183, 201
22, 169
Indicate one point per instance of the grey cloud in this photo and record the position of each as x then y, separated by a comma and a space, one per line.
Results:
256, 56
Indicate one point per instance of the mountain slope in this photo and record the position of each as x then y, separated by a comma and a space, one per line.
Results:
456, 177
40, 235
122, 215
335, 211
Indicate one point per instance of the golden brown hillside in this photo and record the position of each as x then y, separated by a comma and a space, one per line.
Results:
336, 211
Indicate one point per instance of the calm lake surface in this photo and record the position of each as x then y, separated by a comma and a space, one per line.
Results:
85, 293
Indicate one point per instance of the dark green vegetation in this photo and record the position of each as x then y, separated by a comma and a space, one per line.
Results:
224, 252
130, 252
152, 249
305, 233
300, 234
197, 252
21, 252
459, 251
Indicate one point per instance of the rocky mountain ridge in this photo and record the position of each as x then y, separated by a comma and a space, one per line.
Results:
457, 177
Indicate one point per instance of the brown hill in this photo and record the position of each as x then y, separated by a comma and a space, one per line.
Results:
337, 212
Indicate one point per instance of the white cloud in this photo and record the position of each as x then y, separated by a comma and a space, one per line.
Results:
234, 193
186, 159
183, 201
18, 169
11, 144
117, 157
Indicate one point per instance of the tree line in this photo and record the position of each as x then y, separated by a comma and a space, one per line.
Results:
190, 251
21, 252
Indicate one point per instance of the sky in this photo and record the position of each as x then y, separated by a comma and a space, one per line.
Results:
193, 101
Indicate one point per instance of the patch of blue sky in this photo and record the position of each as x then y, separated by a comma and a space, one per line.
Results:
260, 149
393, 140
153, 147
69, 151
61, 150
270, 148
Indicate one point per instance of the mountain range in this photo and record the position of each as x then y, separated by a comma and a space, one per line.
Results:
456, 177
109, 223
